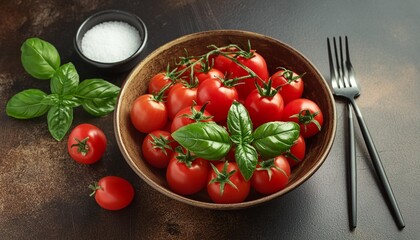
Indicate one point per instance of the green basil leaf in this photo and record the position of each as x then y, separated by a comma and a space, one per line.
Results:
97, 96
70, 101
60, 118
39, 58
247, 158
27, 104
239, 123
206, 140
274, 138
65, 80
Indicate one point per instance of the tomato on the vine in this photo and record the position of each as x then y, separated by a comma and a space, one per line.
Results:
289, 83
157, 148
113, 193
226, 184
256, 63
210, 73
187, 174
148, 113
86, 143
306, 113
180, 96
218, 95
271, 175
188, 115
264, 105
160, 80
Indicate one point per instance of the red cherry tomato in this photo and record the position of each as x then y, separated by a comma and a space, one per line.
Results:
226, 184
263, 109
186, 174
86, 143
159, 81
291, 84
180, 96
254, 62
211, 73
218, 97
190, 115
297, 152
306, 113
148, 114
157, 148
113, 193
271, 175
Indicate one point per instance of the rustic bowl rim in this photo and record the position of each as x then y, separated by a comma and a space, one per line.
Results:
210, 205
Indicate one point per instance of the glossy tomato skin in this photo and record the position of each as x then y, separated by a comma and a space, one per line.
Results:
179, 97
114, 193
230, 194
221, 63
257, 64
304, 106
263, 109
211, 73
218, 97
93, 146
288, 90
147, 114
298, 151
157, 155
186, 180
261, 181
159, 81
181, 118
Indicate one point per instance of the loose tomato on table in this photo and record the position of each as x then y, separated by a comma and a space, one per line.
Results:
219, 96
86, 143
188, 115
149, 113
264, 105
271, 175
157, 148
306, 113
226, 184
290, 84
112, 193
187, 174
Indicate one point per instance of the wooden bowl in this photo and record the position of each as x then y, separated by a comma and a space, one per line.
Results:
276, 54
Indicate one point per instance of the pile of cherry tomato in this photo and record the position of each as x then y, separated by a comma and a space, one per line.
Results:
203, 88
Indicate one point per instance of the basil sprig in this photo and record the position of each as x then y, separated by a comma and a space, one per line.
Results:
211, 141
42, 61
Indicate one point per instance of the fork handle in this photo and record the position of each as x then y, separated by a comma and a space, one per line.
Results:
352, 170
378, 165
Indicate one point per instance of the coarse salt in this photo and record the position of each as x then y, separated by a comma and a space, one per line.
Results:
110, 42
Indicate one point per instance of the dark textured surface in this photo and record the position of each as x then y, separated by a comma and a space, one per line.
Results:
44, 194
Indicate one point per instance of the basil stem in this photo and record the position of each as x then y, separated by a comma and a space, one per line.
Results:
65, 80
205, 139
239, 124
27, 104
247, 158
97, 96
60, 118
39, 58
274, 138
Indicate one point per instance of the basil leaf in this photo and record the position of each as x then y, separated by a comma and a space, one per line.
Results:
206, 140
39, 58
27, 104
65, 80
97, 96
60, 118
70, 101
247, 158
274, 138
239, 123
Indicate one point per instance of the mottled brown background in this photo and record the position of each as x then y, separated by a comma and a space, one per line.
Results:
44, 194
